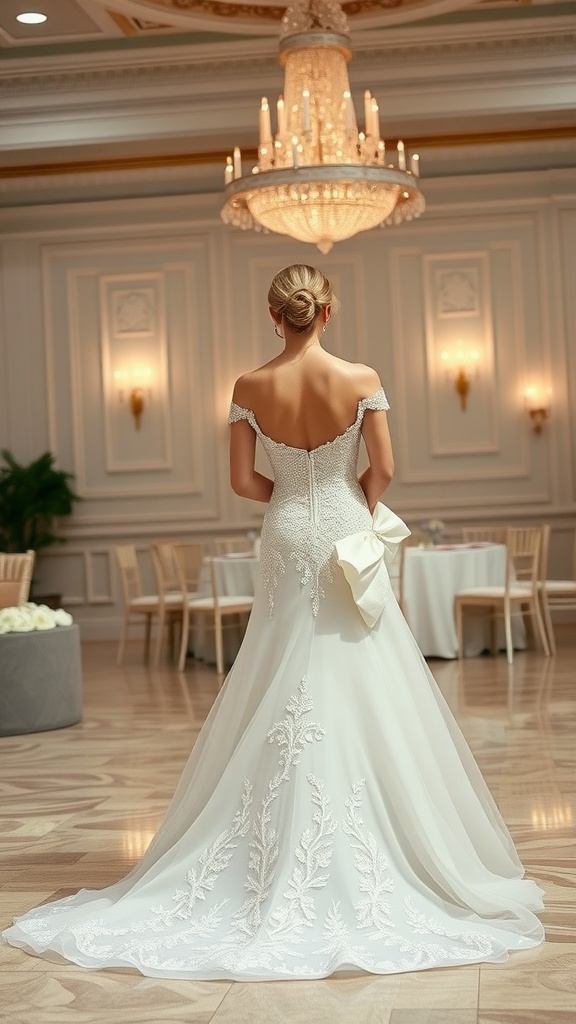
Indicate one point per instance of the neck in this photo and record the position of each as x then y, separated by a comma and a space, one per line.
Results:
298, 344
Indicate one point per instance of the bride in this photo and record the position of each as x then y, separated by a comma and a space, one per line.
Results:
331, 815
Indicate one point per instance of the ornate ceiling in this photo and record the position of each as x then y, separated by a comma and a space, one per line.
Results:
264, 15
151, 94
101, 21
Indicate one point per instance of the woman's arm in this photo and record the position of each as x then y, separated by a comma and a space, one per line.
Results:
376, 434
244, 478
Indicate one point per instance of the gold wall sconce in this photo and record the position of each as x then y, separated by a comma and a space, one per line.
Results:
136, 384
538, 401
461, 366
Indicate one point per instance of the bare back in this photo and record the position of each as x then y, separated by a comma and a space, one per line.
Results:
306, 399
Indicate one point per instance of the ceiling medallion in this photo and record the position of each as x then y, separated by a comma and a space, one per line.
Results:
319, 179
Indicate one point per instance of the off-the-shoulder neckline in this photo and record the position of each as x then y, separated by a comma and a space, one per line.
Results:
310, 451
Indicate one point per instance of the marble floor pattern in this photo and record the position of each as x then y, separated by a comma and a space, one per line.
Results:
79, 806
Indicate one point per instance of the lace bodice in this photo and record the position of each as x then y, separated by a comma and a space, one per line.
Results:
316, 501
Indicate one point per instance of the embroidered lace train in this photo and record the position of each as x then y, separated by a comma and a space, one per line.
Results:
331, 815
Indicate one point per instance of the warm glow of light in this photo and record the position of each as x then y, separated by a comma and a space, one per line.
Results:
461, 366
538, 401
547, 818
460, 358
135, 842
537, 397
31, 18
322, 180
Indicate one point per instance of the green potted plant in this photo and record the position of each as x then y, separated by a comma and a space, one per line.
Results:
31, 497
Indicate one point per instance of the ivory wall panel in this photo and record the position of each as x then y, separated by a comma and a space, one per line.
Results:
172, 455
483, 456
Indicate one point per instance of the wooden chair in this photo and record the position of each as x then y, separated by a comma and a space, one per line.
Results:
519, 593
557, 595
484, 534
15, 577
544, 609
137, 606
413, 541
171, 597
189, 559
231, 545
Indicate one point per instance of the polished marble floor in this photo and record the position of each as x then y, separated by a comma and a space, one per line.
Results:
80, 805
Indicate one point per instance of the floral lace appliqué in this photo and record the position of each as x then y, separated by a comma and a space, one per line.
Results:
316, 500
287, 922
291, 735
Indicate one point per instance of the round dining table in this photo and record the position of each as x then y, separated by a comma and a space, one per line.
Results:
432, 578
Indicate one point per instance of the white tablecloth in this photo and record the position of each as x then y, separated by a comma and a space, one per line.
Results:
237, 574
432, 577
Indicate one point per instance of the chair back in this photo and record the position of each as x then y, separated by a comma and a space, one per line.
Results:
523, 544
484, 534
188, 562
544, 550
162, 553
129, 572
236, 544
15, 577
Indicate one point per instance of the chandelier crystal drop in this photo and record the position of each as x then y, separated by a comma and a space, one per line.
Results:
319, 179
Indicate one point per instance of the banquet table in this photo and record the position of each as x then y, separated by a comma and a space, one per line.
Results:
432, 578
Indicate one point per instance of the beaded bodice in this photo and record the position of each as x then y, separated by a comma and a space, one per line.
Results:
316, 501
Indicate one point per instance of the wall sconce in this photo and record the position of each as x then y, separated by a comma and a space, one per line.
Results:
462, 367
137, 383
537, 401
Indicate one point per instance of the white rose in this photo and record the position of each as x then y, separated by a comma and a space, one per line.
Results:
62, 618
43, 617
5, 625
24, 623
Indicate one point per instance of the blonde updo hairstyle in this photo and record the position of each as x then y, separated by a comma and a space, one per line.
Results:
299, 294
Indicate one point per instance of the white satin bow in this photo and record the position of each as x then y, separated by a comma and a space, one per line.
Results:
365, 557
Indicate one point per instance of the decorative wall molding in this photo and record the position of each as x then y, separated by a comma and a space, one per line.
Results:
65, 256
92, 557
218, 62
134, 342
458, 311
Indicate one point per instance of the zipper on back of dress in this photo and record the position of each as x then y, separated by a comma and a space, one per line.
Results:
312, 492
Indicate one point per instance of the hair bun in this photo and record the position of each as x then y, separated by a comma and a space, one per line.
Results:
298, 293
301, 308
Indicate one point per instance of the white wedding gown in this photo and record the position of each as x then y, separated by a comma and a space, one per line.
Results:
331, 815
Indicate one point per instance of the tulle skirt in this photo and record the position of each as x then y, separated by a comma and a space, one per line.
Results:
331, 816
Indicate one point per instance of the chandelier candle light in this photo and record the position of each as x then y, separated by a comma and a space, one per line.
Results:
319, 179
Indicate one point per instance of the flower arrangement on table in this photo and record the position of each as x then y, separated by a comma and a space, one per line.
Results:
26, 618
433, 529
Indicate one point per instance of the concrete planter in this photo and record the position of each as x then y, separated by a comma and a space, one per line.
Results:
40, 680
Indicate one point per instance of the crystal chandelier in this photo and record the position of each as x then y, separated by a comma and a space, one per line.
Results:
319, 179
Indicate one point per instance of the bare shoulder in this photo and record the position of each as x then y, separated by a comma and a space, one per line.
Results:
367, 378
245, 388
364, 378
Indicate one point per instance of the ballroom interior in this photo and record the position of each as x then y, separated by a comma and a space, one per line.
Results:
119, 278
